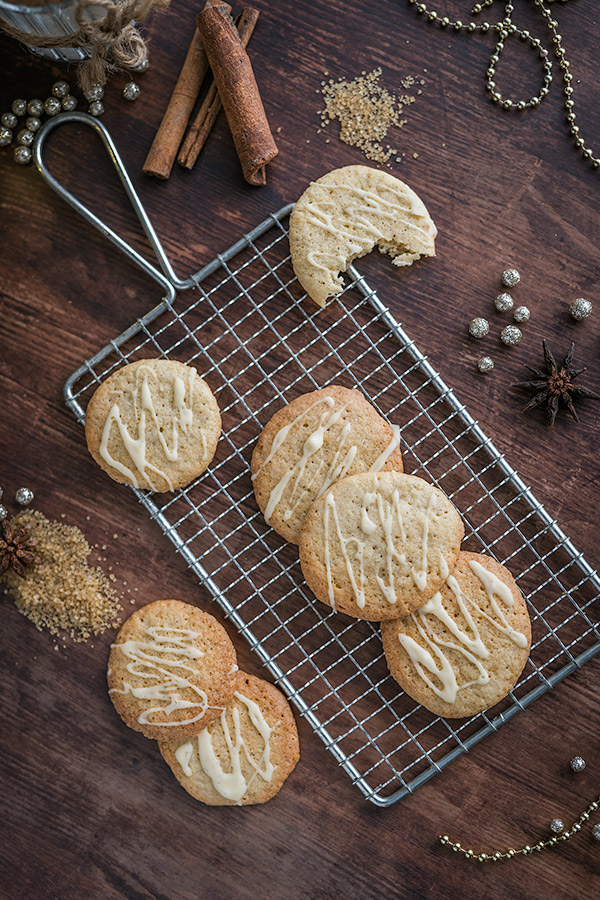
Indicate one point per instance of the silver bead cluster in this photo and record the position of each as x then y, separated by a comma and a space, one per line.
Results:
577, 764
511, 335
557, 826
60, 100
505, 29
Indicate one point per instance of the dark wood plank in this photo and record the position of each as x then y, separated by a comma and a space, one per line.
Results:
87, 806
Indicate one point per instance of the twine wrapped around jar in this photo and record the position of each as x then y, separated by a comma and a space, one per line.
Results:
112, 40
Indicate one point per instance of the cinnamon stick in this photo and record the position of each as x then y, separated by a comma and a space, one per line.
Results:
163, 151
208, 112
239, 94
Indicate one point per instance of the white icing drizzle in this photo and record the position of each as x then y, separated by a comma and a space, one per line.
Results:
338, 467
470, 643
376, 513
385, 455
183, 755
158, 663
232, 784
420, 575
444, 570
166, 433
348, 214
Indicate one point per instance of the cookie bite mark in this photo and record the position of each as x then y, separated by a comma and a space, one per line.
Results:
344, 215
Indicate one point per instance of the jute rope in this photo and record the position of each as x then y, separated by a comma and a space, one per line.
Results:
112, 41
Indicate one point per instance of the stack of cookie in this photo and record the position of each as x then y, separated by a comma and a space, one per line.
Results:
230, 738
380, 545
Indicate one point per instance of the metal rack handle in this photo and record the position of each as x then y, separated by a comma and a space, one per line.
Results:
167, 278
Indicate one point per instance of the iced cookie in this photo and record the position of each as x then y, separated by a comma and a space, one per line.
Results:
344, 215
379, 546
245, 755
171, 670
153, 424
464, 650
312, 442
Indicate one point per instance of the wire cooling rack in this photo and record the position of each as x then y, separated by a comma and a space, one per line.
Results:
259, 344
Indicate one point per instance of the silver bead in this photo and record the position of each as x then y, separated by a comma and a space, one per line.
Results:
32, 123
503, 302
1, 493
95, 108
9, 120
22, 155
557, 826
69, 103
511, 335
580, 309
52, 106
6, 136
3, 513
131, 91
35, 107
25, 137
521, 314
95, 92
596, 831
24, 496
485, 364
510, 278
60, 89
143, 66
577, 764
479, 327
19, 107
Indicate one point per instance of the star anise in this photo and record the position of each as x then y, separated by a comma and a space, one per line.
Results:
555, 385
15, 549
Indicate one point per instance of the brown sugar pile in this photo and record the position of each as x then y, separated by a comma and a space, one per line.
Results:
62, 593
366, 111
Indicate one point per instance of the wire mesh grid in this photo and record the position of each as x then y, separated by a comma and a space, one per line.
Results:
253, 337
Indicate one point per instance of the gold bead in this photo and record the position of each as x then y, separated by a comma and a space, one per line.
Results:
496, 856
526, 849
482, 857
469, 854
444, 839
585, 815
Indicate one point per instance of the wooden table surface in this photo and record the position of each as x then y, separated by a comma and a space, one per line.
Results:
87, 806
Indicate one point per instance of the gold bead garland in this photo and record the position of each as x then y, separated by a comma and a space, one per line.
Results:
511, 853
504, 29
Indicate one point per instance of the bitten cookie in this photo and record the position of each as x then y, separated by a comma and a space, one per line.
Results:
312, 442
346, 213
153, 424
171, 670
379, 546
245, 755
464, 650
